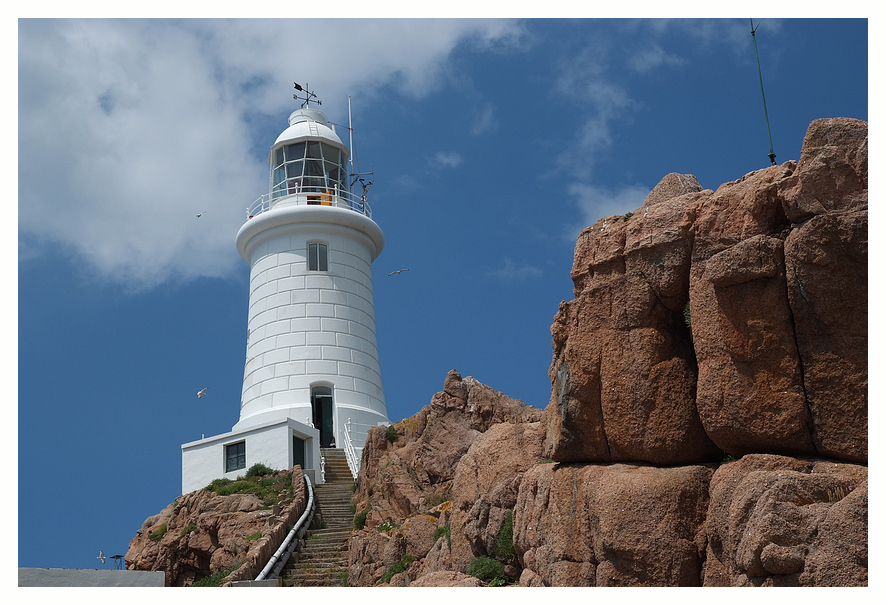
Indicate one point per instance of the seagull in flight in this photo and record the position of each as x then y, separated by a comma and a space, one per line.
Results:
101, 556
398, 272
201, 392
201, 214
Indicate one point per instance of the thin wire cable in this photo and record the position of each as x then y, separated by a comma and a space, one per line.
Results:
760, 73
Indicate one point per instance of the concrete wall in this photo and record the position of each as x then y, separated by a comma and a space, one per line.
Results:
42, 576
270, 444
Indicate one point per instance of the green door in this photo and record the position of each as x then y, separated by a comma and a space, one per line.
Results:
298, 452
321, 405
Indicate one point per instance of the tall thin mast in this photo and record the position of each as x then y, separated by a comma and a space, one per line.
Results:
351, 134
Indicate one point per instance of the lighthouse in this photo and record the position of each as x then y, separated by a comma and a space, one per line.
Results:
312, 378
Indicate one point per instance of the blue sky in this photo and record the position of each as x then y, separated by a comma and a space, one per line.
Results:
493, 143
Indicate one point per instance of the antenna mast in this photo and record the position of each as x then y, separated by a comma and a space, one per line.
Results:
357, 176
760, 73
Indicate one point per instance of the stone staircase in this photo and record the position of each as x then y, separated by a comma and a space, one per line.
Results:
324, 559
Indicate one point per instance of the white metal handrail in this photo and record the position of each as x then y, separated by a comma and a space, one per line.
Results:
350, 452
279, 558
355, 454
310, 196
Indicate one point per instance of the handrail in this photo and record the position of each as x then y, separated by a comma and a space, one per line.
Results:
350, 453
279, 558
304, 196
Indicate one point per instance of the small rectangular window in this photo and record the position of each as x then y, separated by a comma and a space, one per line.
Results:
317, 257
235, 456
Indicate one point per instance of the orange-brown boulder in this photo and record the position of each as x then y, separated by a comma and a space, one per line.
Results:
780, 521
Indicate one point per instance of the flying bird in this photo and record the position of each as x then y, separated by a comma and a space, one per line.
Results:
201, 392
101, 556
201, 214
397, 272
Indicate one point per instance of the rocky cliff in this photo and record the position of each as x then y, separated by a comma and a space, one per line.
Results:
229, 530
708, 414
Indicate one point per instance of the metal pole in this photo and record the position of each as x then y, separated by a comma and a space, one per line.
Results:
760, 73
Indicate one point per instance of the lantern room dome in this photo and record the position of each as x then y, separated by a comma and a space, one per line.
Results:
308, 123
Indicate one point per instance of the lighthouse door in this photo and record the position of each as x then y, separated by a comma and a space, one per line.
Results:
321, 406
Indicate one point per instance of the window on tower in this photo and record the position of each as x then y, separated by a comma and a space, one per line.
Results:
235, 456
318, 256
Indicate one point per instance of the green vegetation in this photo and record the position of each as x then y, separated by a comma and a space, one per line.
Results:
545, 461
386, 526
687, 315
188, 529
353, 508
505, 543
628, 215
259, 470
343, 578
158, 533
397, 568
252, 537
215, 580
487, 570
727, 458
391, 433
435, 500
267, 485
360, 519
444, 531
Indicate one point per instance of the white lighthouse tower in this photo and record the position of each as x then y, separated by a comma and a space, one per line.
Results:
312, 377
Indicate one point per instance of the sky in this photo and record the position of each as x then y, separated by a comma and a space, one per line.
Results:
491, 143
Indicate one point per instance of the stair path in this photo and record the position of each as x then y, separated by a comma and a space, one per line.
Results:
323, 561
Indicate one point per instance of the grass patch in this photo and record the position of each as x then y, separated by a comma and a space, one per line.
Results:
444, 531
386, 526
215, 580
259, 470
188, 529
487, 570
505, 543
267, 485
545, 461
727, 458
397, 568
360, 519
158, 533
252, 537
391, 433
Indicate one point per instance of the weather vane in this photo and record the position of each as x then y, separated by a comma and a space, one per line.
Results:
309, 96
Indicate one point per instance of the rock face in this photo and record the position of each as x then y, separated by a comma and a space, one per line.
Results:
708, 415
611, 525
202, 533
779, 521
406, 484
771, 273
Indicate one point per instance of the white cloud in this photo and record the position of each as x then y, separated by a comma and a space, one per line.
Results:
128, 128
483, 120
651, 57
445, 159
596, 202
512, 272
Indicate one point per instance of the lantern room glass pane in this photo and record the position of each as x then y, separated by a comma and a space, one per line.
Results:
296, 151
314, 150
